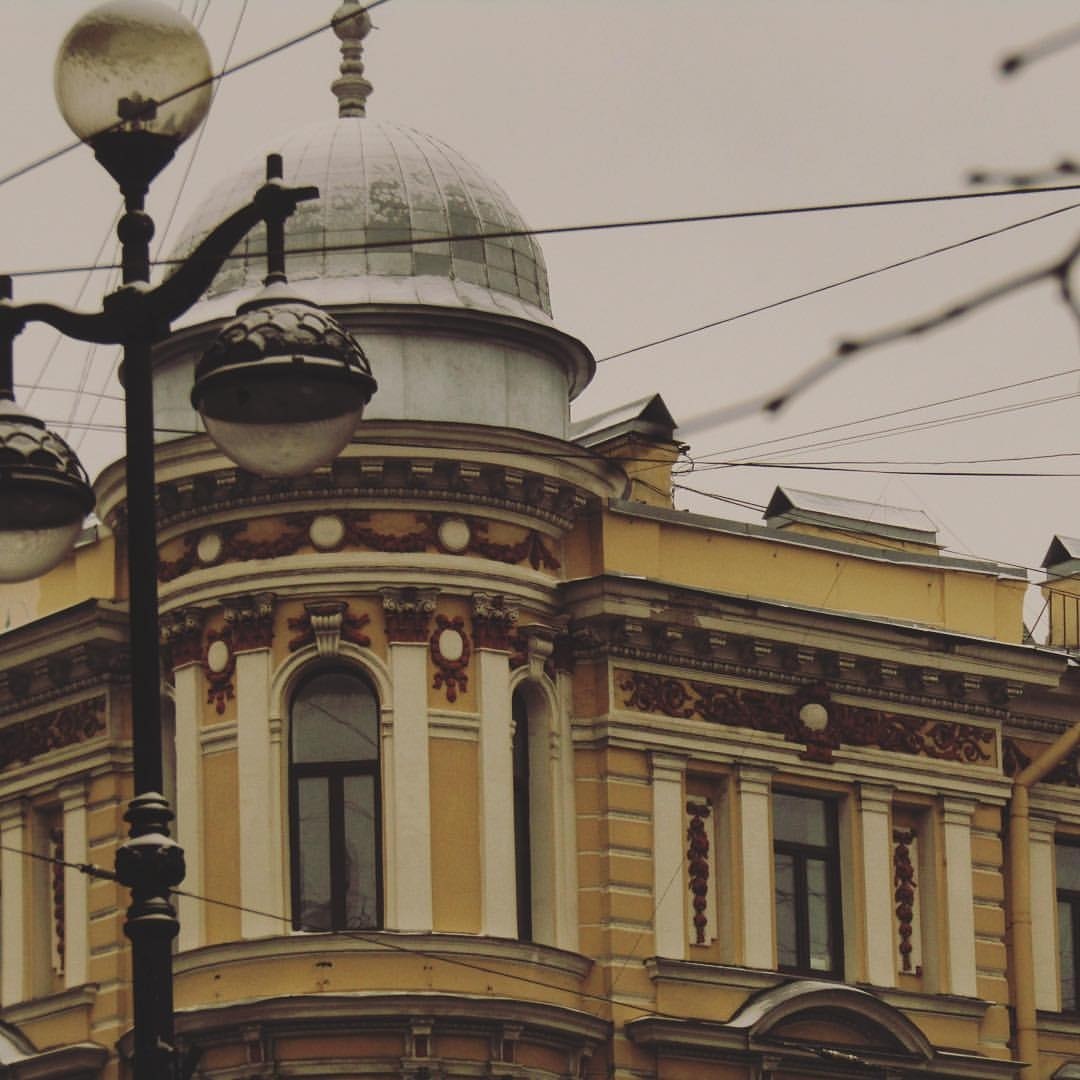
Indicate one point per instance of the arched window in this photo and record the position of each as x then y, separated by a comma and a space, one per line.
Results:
534, 817
336, 837
522, 819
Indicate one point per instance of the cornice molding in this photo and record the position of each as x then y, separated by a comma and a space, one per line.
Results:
758, 658
390, 476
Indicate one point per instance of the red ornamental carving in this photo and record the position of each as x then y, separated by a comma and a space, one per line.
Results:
219, 685
531, 547
697, 855
56, 842
360, 533
450, 673
904, 880
22, 742
778, 713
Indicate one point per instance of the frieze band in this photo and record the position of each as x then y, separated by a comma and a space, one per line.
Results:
821, 733
325, 531
24, 741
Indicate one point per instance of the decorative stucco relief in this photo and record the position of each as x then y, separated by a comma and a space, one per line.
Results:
328, 532
1014, 759
904, 894
793, 717
450, 651
697, 857
24, 741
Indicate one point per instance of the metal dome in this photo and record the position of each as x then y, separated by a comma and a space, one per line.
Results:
382, 183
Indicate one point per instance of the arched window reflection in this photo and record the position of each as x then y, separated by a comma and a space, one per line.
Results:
334, 804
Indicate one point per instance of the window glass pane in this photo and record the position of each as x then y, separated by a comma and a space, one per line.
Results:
1067, 857
787, 936
1067, 946
361, 903
334, 718
313, 855
817, 904
800, 820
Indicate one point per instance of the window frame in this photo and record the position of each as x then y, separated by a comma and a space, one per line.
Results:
335, 773
523, 814
1071, 897
802, 853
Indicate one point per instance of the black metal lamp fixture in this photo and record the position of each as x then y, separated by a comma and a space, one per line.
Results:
133, 81
284, 385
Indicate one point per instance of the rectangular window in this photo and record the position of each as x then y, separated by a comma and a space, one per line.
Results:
806, 855
1067, 859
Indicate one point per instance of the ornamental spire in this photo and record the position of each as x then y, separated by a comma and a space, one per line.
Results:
351, 24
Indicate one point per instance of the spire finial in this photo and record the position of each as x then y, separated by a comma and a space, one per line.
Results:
351, 24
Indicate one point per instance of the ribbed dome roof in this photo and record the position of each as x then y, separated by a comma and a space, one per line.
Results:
381, 182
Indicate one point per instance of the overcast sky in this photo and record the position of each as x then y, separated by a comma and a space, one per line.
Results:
595, 110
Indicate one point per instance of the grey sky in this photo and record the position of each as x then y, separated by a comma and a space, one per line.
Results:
589, 110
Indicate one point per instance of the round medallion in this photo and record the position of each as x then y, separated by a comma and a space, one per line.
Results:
327, 532
209, 547
451, 645
814, 716
454, 535
217, 657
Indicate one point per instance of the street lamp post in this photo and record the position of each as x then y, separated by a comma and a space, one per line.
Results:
132, 80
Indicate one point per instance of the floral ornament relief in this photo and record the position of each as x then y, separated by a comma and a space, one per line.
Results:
904, 880
846, 725
24, 741
219, 664
697, 856
450, 653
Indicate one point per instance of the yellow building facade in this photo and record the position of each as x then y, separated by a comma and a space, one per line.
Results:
489, 762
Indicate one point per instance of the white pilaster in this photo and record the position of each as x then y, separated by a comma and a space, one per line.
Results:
76, 886
407, 798
757, 936
14, 933
959, 901
669, 854
499, 889
881, 940
189, 802
1044, 915
260, 835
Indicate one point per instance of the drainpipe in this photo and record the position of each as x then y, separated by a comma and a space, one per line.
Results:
1023, 951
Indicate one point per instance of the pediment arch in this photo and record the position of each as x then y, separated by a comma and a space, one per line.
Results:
830, 1014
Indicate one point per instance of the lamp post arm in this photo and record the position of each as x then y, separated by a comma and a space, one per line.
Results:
178, 292
98, 327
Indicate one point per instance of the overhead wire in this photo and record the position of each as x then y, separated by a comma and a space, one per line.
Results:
891, 413
773, 304
654, 222
858, 438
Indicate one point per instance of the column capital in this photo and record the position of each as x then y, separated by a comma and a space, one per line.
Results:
13, 812
753, 780
407, 614
957, 811
180, 633
493, 619
667, 766
875, 798
251, 619
72, 794
1042, 829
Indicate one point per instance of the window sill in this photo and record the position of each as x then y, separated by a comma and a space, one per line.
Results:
474, 947
1059, 1023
